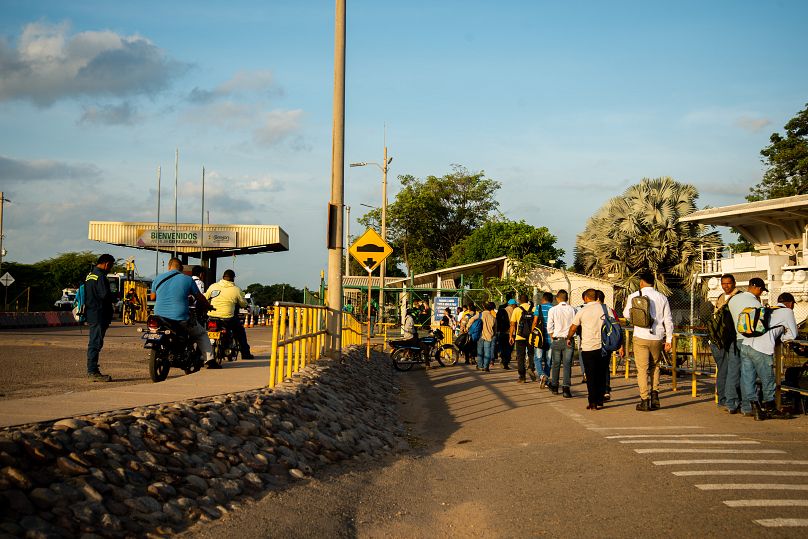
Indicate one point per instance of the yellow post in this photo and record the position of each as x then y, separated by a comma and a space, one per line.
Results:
273, 356
627, 352
695, 351
778, 369
614, 364
370, 283
282, 351
290, 333
673, 363
304, 342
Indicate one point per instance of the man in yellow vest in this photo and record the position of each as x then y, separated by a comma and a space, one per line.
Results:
225, 298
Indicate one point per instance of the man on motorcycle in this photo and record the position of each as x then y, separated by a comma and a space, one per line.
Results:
225, 298
171, 291
131, 304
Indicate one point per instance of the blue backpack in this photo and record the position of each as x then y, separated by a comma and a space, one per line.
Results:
611, 335
79, 307
476, 330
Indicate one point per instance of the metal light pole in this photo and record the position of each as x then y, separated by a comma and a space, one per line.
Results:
3, 201
383, 268
337, 184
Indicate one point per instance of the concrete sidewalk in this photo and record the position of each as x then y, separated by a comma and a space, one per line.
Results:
233, 377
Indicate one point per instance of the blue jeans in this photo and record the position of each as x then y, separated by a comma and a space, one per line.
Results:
94, 346
561, 353
485, 352
732, 380
542, 360
755, 365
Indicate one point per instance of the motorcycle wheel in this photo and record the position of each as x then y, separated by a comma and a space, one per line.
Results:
234, 351
404, 359
158, 366
448, 354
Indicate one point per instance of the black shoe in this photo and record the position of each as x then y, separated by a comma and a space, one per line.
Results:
506, 367
521, 381
774, 413
212, 365
98, 377
758, 413
733, 411
553, 389
487, 369
533, 376
644, 405
566, 392
247, 356
655, 400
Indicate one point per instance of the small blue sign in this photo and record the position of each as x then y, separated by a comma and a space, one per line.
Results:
441, 303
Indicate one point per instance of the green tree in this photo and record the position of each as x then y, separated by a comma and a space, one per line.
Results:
515, 239
268, 294
641, 230
786, 158
430, 216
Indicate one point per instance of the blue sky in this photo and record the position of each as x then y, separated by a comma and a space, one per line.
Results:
566, 104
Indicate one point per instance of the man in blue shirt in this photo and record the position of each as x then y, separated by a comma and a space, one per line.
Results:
98, 301
172, 290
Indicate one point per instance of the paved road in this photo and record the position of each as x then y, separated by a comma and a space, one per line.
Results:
494, 458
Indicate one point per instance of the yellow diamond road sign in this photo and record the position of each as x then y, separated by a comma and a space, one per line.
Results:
370, 250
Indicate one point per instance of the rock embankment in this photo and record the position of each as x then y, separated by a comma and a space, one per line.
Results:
159, 469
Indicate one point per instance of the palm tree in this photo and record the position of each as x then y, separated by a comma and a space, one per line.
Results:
641, 230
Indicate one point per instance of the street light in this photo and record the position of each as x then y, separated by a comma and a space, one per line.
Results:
3, 201
383, 167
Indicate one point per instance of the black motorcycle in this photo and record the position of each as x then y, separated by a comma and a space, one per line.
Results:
224, 343
407, 353
169, 345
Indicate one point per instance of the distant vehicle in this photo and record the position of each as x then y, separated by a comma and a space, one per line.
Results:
251, 308
65, 303
370, 248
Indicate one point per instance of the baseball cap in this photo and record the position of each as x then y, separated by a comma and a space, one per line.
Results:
512, 302
758, 282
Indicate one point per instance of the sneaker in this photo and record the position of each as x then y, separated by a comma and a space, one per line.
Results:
98, 377
506, 367
607, 397
532, 374
543, 381
247, 356
487, 369
212, 365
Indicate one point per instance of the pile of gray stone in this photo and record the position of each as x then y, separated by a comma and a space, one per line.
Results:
156, 470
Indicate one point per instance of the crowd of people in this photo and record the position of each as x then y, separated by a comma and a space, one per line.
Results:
545, 337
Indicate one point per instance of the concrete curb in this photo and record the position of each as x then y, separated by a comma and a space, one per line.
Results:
37, 320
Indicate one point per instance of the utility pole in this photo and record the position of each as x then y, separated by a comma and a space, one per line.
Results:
347, 241
337, 185
3, 201
383, 269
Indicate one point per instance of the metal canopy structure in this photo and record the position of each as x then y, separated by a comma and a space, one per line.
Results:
776, 226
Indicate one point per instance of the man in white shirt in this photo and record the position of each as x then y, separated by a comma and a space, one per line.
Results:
757, 356
736, 304
648, 342
559, 320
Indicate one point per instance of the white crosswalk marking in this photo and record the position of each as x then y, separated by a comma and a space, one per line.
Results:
783, 522
751, 486
648, 428
779, 473
766, 503
688, 450
728, 461
682, 441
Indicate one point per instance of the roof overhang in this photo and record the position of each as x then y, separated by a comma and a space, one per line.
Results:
775, 226
213, 240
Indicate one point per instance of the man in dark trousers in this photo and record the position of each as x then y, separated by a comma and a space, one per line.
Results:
98, 301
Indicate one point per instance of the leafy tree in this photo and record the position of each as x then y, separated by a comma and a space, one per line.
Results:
268, 294
641, 230
787, 160
429, 217
515, 239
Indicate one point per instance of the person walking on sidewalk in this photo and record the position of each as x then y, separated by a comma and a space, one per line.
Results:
559, 320
521, 324
503, 327
541, 356
726, 355
487, 340
98, 300
648, 341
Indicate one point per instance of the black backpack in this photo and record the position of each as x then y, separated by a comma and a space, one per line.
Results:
721, 329
503, 320
525, 324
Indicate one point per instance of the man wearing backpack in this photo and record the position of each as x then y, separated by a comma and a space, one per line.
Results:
484, 330
724, 348
98, 302
521, 325
541, 356
503, 328
648, 340
757, 359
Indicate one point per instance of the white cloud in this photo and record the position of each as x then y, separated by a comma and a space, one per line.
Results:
754, 125
261, 81
19, 170
748, 121
277, 125
49, 64
121, 114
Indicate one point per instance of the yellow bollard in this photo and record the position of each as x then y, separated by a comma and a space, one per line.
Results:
282, 351
627, 352
695, 351
673, 363
273, 355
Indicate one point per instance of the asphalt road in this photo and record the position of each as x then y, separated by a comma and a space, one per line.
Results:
493, 458
52, 361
